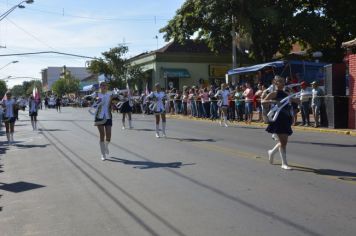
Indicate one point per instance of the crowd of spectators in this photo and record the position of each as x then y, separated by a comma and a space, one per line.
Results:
244, 102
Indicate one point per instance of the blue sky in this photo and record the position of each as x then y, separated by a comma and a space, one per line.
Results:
85, 27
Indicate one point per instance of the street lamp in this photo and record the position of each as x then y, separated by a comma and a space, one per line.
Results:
19, 5
11, 62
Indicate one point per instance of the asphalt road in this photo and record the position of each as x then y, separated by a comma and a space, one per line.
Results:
201, 180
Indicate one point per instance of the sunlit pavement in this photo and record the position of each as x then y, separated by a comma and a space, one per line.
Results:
202, 179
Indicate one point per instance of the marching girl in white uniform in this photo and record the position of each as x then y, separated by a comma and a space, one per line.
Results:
103, 119
282, 126
9, 106
125, 107
223, 95
158, 108
33, 112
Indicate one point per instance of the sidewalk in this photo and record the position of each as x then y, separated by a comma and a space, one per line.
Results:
351, 132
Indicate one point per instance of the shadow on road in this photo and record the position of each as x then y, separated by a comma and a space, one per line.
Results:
51, 130
325, 144
342, 175
192, 139
144, 129
19, 187
25, 146
148, 164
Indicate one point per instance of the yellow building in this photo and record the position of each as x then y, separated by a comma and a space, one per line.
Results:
176, 65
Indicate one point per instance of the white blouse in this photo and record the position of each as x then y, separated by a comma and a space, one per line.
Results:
33, 106
104, 104
9, 106
224, 96
158, 96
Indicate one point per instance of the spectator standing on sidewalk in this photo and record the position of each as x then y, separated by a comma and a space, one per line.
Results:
317, 94
213, 104
248, 94
239, 103
305, 103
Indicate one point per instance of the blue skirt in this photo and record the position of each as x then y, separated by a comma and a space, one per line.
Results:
283, 124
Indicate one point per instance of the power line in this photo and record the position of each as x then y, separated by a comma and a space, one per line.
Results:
31, 35
63, 14
46, 52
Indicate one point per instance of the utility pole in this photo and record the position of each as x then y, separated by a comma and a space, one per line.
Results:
234, 54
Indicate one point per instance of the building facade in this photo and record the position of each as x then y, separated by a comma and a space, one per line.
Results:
175, 66
52, 74
351, 63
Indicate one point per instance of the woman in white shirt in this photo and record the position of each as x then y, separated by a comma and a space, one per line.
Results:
103, 118
33, 112
158, 97
223, 97
9, 106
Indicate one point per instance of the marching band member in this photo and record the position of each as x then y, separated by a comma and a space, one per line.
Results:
158, 108
126, 108
223, 95
103, 119
9, 105
33, 112
282, 125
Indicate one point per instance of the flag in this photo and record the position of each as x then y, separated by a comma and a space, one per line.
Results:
36, 94
128, 90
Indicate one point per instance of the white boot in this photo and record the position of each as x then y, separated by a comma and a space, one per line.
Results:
107, 147
33, 125
164, 129
271, 153
8, 138
225, 121
283, 154
220, 123
157, 131
102, 150
130, 124
123, 125
12, 137
275, 137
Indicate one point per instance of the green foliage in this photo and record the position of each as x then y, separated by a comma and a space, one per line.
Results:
3, 88
270, 25
65, 85
18, 91
115, 67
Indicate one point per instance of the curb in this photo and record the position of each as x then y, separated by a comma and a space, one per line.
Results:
255, 124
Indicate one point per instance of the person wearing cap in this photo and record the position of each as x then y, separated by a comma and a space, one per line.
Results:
158, 97
317, 93
9, 106
305, 103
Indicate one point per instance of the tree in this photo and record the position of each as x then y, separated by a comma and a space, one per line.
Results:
3, 88
115, 67
272, 25
18, 90
65, 85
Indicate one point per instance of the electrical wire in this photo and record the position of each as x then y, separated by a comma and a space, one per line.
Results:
154, 18
29, 34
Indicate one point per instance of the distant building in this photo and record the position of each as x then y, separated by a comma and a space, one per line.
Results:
176, 65
52, 74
